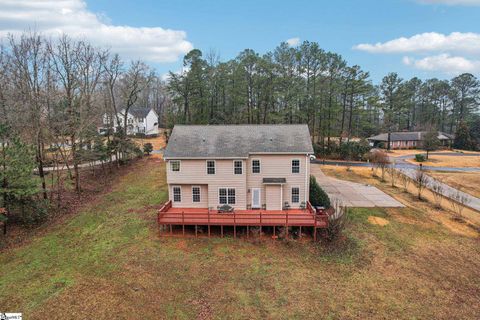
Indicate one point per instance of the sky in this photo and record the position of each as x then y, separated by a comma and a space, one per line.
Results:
424, 38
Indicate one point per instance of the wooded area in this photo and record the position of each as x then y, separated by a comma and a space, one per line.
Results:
306, 84
55, 92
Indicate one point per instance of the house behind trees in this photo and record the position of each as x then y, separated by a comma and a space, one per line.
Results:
140, 120
408, 140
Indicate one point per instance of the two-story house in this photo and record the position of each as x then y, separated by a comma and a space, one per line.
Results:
139, 120
248, 167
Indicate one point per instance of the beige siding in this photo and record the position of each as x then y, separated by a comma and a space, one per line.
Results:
194, 172
187, 199
279, 166
273, 197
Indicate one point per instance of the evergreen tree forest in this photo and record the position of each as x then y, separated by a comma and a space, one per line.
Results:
306, 84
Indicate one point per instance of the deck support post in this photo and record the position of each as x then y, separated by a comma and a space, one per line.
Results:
196, 230
260, 223
209, 222
183, 224
221, 230
300, 232
248, 232
274, 231
170, 229
315, 233
234, 225
286, 225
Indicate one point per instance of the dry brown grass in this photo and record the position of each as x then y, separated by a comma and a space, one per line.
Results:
109, 263
450, 161
364, 175
468, 182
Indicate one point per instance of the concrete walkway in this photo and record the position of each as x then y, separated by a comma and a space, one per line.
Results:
448, 191
353, 194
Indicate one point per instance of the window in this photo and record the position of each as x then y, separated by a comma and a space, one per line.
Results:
255, 166
296, 166
140, 120
175, 165
210, 167
295, 195
226, 196
196, 194
177, 194
238, 167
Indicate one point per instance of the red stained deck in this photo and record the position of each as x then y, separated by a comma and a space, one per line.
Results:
203, 216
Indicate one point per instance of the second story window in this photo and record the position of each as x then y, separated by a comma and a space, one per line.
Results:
210, 167
255, 166
238, 166
175, 165
296, 166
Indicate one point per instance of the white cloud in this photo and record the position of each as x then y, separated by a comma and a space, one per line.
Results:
468, 42
54, 17
445, 63
452, 2
292, 42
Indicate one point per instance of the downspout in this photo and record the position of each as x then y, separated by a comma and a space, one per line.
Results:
306, 178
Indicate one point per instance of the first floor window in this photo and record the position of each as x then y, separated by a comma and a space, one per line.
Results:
226, 196
296, 166
196, 194
177, 194
210, 167
175, 165
238, 166
295, 195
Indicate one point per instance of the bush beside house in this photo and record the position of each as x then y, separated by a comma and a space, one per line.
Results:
318, 197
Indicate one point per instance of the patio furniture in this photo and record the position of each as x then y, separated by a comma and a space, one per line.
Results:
225, 209
286, 206
303, 205
264, 206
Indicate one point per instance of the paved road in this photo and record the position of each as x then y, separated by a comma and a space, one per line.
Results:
448, 191
353, 194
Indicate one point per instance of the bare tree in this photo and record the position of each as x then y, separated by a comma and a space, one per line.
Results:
458, 201
404, 181
380, 160
394, 174
437, 189
421, 181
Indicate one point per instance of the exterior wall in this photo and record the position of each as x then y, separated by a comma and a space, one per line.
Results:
187, 201
279, 166
194, 172
151, 123
273, 198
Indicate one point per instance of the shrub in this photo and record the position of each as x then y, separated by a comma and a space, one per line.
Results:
419, 158
147, 148
318, 197
336, 222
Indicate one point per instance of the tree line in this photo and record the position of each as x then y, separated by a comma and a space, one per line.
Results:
54, 94
306, 84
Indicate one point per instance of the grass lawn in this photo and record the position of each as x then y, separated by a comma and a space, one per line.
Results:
469, 182
449, 161
107, 262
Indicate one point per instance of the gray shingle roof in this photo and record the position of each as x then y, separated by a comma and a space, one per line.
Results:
237, 141
138, 112
408, 136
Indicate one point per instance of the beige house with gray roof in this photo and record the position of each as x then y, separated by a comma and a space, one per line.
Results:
244, 166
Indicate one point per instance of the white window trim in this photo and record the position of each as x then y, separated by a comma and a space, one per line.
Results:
218, 194
214, 167
173, 194
291, 193
299, 166
180, 165
199, 194
237, 174
260, 163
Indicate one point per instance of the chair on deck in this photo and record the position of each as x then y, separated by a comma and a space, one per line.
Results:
303, 205
286, 206
225, 209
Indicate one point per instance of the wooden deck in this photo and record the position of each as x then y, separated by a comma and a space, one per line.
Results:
168, 216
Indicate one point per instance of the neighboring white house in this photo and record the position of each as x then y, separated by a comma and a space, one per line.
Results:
139, 120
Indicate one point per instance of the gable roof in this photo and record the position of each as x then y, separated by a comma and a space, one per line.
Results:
138, 112
408, 136
237, 141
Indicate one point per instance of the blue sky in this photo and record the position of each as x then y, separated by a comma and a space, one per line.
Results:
429, 50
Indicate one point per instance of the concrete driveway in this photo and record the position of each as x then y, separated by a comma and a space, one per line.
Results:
353, 194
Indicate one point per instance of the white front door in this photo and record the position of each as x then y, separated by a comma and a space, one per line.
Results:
255, 198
